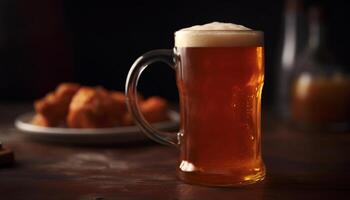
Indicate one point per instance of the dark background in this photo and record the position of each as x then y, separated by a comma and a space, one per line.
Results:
45, 42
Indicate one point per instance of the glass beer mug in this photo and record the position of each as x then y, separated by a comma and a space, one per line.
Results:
220, 74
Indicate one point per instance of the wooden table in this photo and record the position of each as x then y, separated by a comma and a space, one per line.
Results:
300, 165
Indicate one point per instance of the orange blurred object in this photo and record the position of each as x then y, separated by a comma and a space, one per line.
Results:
154, 109
321, 100
94, 108
53, 108
40, 120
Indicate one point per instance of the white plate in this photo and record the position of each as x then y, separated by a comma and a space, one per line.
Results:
121, 134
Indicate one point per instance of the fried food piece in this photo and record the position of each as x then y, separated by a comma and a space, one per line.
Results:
40, 120
53, 108
67, 90
120, 99
154, 109
93, 108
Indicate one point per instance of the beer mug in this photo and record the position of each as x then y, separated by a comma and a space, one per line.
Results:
220, 74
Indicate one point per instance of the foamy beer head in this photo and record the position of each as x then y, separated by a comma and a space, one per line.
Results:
218, 34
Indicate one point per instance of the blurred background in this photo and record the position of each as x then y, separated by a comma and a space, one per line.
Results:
45, 42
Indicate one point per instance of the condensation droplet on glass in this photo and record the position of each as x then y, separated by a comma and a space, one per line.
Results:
252, 138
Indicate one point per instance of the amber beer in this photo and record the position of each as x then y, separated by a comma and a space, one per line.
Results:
220, 75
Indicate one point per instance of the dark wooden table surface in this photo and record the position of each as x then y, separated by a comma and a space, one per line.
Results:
300, 165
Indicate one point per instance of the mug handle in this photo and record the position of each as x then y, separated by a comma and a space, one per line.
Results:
160, 55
